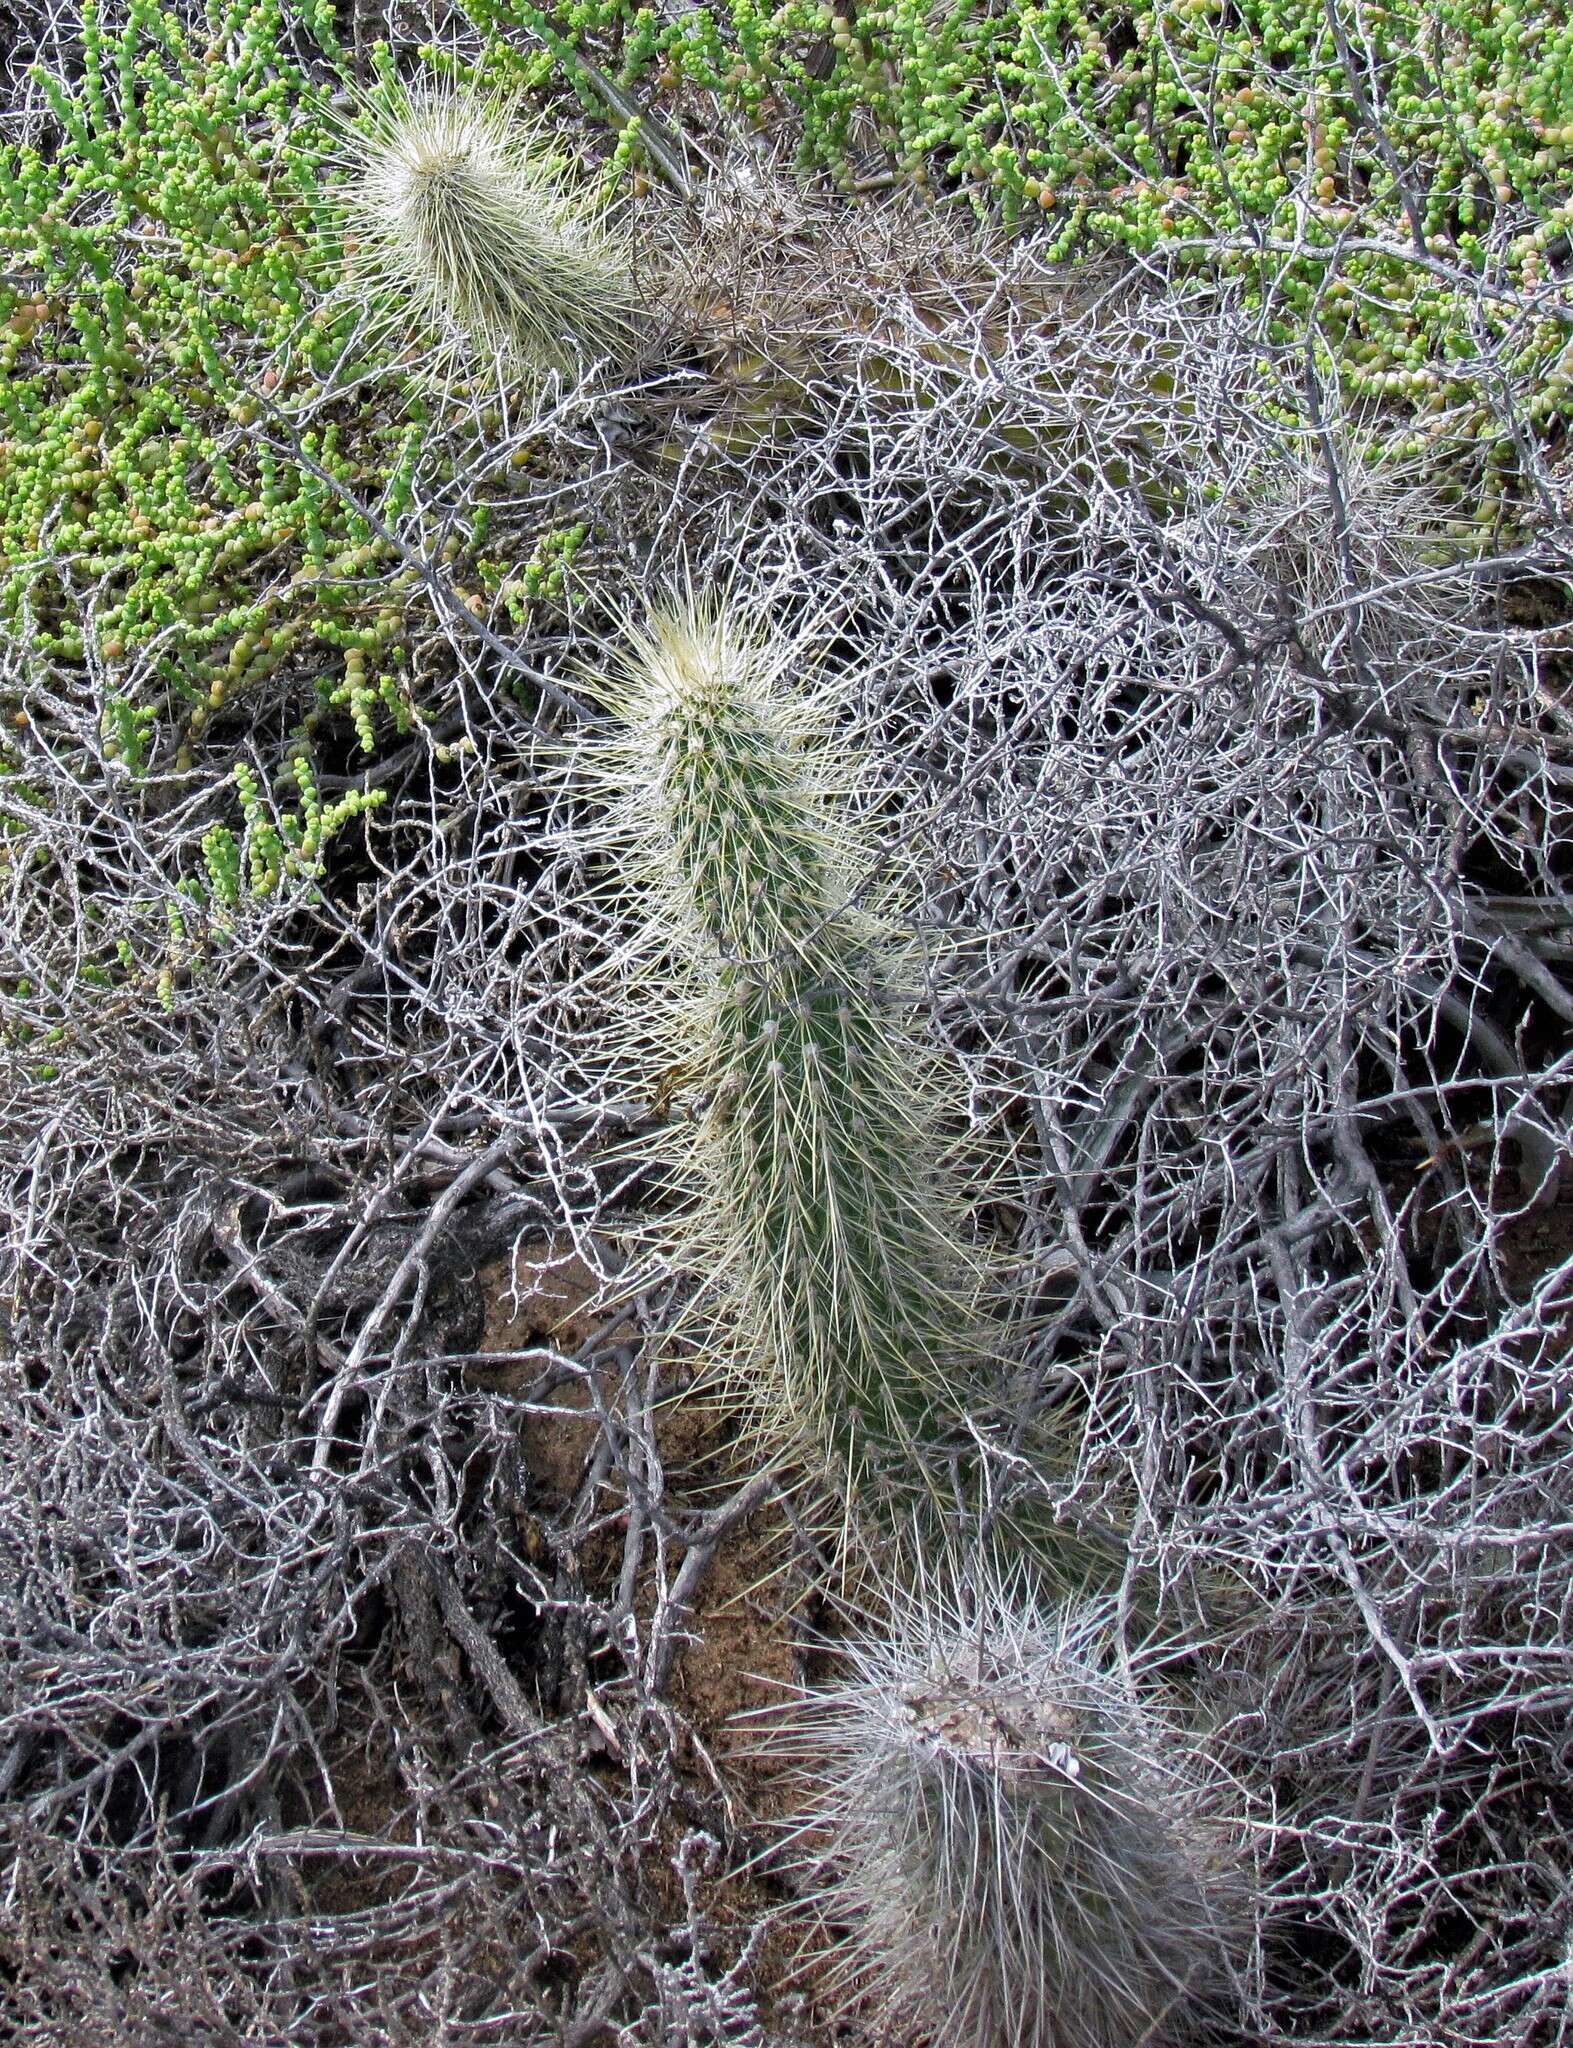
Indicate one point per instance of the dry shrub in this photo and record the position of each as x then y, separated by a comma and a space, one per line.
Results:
1236, 773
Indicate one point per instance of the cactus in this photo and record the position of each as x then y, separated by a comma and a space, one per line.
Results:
782, 1008
455, 216
1021, 1855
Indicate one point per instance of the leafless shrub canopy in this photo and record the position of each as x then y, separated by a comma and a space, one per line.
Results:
1235, 771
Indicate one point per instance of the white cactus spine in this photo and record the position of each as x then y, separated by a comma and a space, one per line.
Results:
457, 227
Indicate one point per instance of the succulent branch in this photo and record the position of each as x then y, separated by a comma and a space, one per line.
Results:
456, 217
1022, 1850
782, 1003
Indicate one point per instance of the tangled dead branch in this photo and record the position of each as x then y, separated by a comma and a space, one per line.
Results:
1236, 762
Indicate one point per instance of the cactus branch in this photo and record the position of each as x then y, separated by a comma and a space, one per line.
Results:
455, 217
785, 998
1020, 1848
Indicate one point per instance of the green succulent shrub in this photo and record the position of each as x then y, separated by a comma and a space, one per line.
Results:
212, 464
165, 305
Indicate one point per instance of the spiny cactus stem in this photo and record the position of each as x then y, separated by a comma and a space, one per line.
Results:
821, 1196
1020, 1848
456, 220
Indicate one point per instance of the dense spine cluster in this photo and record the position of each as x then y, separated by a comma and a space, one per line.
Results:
1021, 1851
812, 1160
456, 216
